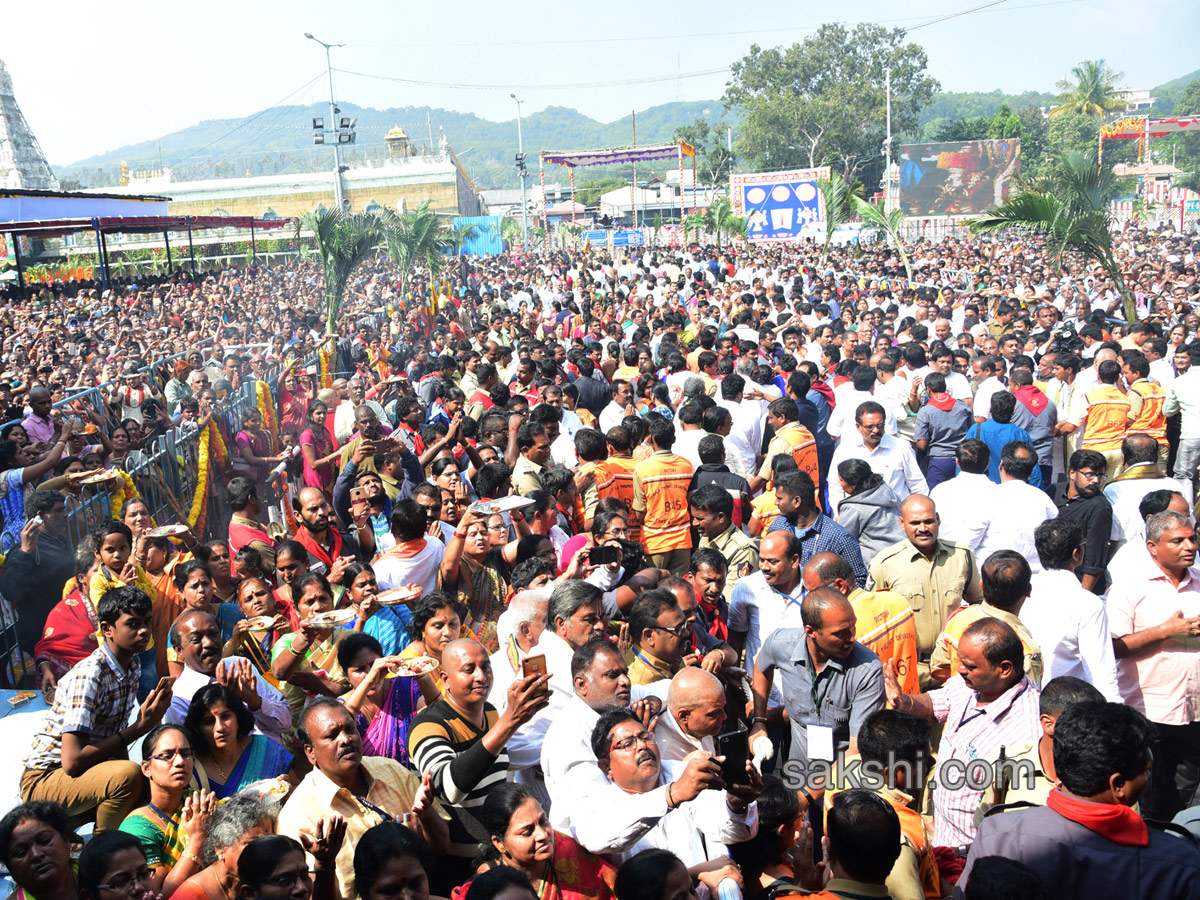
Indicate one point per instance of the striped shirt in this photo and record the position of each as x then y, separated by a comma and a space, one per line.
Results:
443, 742
972, 734
95, 698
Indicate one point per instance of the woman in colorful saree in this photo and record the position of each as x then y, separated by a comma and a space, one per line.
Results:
227, 756
521, 837
383, 706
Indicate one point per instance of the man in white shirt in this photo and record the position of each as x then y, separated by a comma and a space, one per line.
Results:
416, 557
694, 715
600, 682
1138, 478
842, 419
1068, 622
621, 405
967, 501
1018, 508
889, 457
984, 368
648, 805
1183, 400
746, 434
196, 637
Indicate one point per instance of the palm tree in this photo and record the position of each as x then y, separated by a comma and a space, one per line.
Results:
510, 231
1092, 93
413, 237
1072, 208
343, 240
886, 223
457, 235
719, 219
838, 208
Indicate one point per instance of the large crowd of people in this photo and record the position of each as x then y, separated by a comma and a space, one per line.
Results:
759, 572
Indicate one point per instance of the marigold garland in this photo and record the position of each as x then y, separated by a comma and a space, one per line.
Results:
195, 518
123, 493
325, 361
266, 409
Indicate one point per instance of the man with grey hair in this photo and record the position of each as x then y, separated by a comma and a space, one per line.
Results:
344, 424
1154, 615
574, 615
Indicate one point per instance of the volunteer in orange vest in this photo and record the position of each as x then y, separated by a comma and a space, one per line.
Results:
660, 486
244, 530
1104, 416
897, 745
791, 438
614, 478
1146, 399
886, 623
1005, 578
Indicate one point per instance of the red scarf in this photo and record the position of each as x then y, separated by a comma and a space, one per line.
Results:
942, 401
317, 550
825, 391
1117, 823
1035, 401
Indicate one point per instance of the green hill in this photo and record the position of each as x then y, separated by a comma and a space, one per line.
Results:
279, 140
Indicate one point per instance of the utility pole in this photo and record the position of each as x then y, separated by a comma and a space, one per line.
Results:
887, 145
523, 172
337, 150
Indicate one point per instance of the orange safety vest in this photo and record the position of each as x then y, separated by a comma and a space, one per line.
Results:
614, 478
887, 626
1108, 413
766, 507
1150, 420
913, 832
952, 632
664, 481
803, 447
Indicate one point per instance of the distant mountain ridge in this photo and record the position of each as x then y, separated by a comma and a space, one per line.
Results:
279, 140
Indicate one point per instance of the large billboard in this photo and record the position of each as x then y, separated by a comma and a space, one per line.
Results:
958, 178
777, 205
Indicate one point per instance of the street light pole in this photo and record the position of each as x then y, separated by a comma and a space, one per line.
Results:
887, 145
337, 150
522, 172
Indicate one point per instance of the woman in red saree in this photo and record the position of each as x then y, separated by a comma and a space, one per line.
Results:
70, 632
521, 837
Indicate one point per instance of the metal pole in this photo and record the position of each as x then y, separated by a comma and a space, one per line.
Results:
253, 247
12, 239
887, 145
99, 253
337, 149
167, 241
104, 267
522, 172
191, 248
633, 180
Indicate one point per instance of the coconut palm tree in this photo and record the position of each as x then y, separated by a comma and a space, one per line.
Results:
1072, 208
886, 223
457, 235
1092, 93
342, 240
718, 219
837, 194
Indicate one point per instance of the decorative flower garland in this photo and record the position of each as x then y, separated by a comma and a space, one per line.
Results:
266, 409
124, 492
325, 360
195, 518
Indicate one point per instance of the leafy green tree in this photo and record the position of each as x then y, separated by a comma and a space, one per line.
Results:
589, 192
714, 161
457, 235
822, 101
1072, 209
953, 130
1004, 125
1092, 93
718, 219
1077, 133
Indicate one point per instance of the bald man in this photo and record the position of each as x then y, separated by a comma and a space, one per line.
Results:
935, 576
830, 682
694, 716
461, 740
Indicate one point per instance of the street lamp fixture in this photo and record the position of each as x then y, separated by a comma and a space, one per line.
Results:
341, 129
523, 172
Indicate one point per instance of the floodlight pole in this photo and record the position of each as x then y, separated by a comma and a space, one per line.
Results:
521, 171
337, 149
887, 145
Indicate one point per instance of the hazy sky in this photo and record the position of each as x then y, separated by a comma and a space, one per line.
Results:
91, 77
